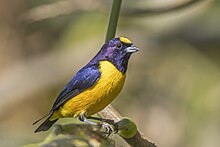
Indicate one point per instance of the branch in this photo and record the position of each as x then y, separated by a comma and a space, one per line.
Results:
74, 135
138, 139
59, 8
163, 10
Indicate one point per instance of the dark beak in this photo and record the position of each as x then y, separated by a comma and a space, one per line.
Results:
132, 49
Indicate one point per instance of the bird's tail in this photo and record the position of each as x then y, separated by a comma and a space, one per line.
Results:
45, 125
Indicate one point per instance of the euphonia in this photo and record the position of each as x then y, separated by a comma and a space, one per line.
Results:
95, 85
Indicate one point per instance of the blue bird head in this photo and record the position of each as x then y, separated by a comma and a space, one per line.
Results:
117, 51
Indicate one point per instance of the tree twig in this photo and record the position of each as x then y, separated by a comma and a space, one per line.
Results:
59, 8
163, 10
138, 140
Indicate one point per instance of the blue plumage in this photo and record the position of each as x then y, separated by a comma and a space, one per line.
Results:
84, 78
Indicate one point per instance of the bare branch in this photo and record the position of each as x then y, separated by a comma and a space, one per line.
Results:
59, 8
138, 140
157, 11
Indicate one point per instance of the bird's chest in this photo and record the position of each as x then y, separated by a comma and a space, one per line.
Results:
107, 88
111, 80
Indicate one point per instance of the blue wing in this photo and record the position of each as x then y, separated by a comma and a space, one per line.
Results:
84, 78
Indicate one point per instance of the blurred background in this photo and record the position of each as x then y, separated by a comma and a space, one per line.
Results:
172, 90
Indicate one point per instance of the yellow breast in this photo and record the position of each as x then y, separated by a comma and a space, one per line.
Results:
97, 97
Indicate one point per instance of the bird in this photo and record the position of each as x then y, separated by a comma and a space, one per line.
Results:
94, 86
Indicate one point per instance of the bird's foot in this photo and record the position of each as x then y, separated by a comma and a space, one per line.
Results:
108, 129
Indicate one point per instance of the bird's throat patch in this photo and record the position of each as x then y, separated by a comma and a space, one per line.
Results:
125, 40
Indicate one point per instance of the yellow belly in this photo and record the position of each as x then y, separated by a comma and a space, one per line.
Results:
97, 97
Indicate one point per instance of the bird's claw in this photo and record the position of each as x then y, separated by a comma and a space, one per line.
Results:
109, 129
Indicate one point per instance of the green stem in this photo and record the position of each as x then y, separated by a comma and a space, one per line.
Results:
113, 20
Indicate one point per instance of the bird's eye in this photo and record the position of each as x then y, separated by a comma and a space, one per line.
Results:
119, 45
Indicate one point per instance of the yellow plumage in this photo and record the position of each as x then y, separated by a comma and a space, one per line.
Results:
97, 97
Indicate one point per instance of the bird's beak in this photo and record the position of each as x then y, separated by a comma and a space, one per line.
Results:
132, 49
